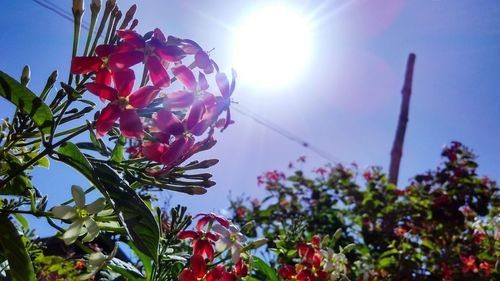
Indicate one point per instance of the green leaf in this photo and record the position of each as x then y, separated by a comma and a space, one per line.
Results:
26, 101
265, 269
134, 215
117, 154
22, 220
387, 262
146, 261
21, 268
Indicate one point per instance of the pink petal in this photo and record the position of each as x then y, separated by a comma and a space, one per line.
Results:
107, 119
169, 53
168, 123
81, 65
131, 37
158, 73
124, 82
202, 81
176, 150
143, 96
130, 124
188, 234
194, 114
123, 60
223, 84
186, 76
103, 76
153, 151
105, 50
157, 33
178, 100
203, 61
102, 91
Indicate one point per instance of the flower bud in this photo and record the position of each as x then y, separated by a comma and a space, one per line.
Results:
135, 22
258, 243
130, 14
25, 76
110, 4
78, 8
95, 6
249, 226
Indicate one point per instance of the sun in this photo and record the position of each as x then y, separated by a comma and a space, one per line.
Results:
272, 46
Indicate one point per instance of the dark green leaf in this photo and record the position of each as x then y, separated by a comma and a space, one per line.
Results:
133, 213
21, 268
26, 101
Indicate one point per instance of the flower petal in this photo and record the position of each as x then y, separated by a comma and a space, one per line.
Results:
78, 196
96, 206
158, 73
143, 96
176, 151
178, 100
223, 84
203, 61
124, 82
235, 252
105, 50
107, 119
130, 124
81, 65
103, 76
186, 76
194, 114
64, 212
168, 123
187, 275
222, 244
96, 258
188, 234
131, 37
103, 91
198, 265
73, 232
169, 53
121, 61
202, 81
153, 151
221, 230
92, 229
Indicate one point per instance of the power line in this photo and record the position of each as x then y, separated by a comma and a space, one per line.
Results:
284, 133
240, 109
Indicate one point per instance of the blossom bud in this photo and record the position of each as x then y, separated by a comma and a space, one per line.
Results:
110, 4
130, 14
249, 226
135, 22
258, 243
349, 248
78, 8
95, 6
25, 76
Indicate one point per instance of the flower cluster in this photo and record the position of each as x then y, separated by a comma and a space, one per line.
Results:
187, 112
225, 237
316, 263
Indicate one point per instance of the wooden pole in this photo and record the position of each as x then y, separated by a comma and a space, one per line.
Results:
397, 146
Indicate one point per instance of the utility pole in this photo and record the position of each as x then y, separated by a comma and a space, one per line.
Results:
397, 146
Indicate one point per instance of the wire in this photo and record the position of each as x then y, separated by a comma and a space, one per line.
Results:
58, 10
284, 133
237, 107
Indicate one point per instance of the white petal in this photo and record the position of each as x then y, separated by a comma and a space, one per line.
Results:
96, 258
221, 230
233, 228
78, 196
64, 212
240, 237
235, 253
222, 244
73, 232
92, 229
96, 206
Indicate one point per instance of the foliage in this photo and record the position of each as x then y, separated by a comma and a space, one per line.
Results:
443, 225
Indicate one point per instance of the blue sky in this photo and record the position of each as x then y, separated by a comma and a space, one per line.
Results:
346, 99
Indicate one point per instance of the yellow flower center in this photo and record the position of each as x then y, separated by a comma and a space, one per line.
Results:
82, 213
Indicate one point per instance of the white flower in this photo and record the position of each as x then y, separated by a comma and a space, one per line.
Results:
230, 239
80, 215
335, 263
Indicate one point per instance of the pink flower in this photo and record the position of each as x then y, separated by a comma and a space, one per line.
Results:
486, 267
321, 171
400, 231
122, 104
210, 218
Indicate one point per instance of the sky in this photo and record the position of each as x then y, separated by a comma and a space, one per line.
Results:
343, 93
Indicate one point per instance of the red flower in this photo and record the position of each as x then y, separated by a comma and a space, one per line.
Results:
321, 171
210, 217
486, 267
241, 269
447, 273
122, 104
202, 242
287, 271
154, 53
240, 212
226, 91
478, 237
469, 264
198, 272
98, 64
400, 231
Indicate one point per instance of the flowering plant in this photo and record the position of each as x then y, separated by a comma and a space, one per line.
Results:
146, 125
